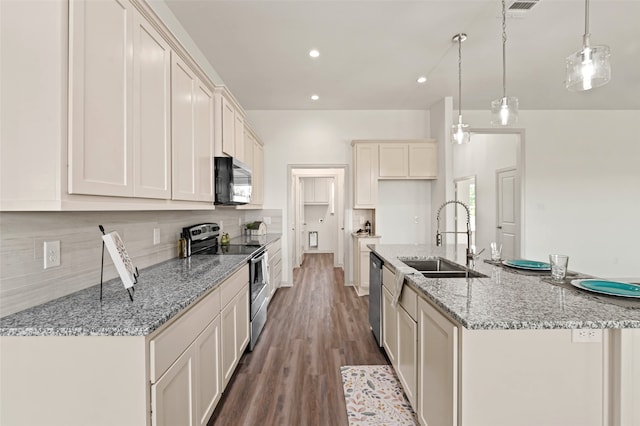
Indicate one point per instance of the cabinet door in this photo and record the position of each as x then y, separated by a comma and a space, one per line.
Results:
183, 92
234, 329
366, 176
228, 128
203, 144
172, 396
407, 367
239, 137
394, 160
389, 327
151, 106
438, 367
248, 149
257, 190
423, 162
101, 87
321, 190
208, 379
364, 271
309, 190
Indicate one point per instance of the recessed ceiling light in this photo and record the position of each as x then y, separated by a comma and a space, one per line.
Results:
315, 97
314, 53
422, 79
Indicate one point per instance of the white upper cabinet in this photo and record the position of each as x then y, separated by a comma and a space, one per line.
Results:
230, 135
101, 87
192, 135
394, 160
317, 190
365, 191
408, 160
257, 191
152, 107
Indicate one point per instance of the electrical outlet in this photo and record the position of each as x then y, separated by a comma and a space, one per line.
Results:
239, 221
586, 335
267, 220
51, 254
221, 226
156, 236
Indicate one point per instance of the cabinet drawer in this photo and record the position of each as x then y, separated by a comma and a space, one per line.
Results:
409, 301
176, 338
233, 285
388, 279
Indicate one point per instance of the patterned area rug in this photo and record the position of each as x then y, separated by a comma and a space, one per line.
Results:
374, 396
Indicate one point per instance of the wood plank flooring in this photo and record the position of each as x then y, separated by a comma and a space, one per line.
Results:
293, 375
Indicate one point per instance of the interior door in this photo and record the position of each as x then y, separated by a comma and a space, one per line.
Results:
298, 201
508, 215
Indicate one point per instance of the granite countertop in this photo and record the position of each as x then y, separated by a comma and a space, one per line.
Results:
162, 292
507, 299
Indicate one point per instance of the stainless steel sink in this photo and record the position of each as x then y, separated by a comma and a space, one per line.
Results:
438, 267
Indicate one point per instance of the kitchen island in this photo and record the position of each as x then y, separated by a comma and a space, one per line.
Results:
82, 361
510, 348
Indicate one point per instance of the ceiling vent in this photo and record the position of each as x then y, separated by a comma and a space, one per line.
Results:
522, 5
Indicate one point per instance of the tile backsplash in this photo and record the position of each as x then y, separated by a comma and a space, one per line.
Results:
24, 282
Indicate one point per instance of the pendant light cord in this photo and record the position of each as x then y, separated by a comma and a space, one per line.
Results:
504, 49
459, 75
585, 39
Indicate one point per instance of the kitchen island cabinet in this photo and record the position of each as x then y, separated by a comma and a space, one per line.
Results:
505, 349
161, 359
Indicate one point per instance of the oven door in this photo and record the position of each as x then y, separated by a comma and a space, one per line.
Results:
258, 282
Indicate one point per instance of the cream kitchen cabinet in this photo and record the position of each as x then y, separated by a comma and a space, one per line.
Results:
119, 141
438, 367
230, 127
317, 190
257, 190
254, 158
234, 321
101, 104
365, 181
400, 322
192, 135
275, 267
361, 262
408, 160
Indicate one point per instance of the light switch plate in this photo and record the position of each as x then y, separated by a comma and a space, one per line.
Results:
156, 236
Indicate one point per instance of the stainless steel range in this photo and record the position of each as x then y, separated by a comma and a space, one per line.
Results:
202, 239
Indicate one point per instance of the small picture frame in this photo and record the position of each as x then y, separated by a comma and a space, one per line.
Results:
122, 261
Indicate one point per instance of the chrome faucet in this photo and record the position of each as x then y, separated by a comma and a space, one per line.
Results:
470, 255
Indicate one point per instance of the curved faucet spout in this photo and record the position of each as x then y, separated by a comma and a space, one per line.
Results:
439, 234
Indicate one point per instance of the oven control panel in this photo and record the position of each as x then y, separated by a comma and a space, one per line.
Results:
200, 232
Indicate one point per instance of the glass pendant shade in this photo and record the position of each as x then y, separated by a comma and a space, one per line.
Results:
460, 132
504, 111
588, 68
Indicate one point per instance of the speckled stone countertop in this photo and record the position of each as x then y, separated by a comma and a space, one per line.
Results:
508, 300
162, 292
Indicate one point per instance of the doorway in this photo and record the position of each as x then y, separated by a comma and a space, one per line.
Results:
317, 200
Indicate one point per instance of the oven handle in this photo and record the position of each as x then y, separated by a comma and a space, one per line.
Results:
257, 258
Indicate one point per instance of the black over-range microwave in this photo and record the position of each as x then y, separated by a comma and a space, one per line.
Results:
232, 181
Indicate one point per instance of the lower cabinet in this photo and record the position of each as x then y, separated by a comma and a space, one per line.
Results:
407, 359
361, 260
438, 367
389, 327
275, 267
234, 320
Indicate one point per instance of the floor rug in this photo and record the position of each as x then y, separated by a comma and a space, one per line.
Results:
374, 396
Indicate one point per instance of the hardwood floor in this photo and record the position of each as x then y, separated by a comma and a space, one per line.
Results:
293, 375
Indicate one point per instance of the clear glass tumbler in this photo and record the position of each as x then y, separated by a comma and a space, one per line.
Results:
496, 252
559, 264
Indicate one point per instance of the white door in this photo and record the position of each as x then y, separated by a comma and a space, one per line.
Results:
300, 224
508, 215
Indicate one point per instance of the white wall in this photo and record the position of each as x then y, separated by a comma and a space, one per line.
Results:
582, 187
442, 189
404, 212
481, 158
322, 138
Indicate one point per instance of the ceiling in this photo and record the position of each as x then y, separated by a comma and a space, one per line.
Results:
372, 52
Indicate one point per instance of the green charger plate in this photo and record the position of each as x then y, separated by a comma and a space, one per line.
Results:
531, 265
611, 288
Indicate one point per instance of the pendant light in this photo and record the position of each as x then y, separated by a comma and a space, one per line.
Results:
589, 67
460, 132
504, 111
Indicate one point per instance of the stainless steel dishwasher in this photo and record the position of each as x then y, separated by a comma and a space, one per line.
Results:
375, 296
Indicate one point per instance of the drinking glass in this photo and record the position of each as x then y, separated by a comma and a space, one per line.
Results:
496, 252
559, 264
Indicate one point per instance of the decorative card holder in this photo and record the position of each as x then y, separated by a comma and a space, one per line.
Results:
115, 246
